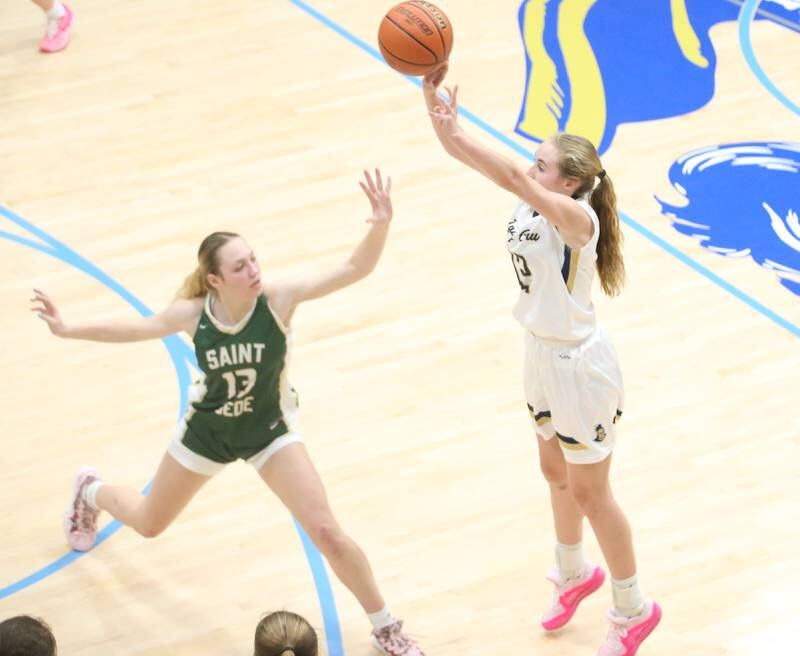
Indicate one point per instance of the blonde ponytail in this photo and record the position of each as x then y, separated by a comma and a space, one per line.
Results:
610, 265
578, 159
284, 633
195, 284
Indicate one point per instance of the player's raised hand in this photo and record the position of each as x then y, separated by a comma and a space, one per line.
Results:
379, 196
431, 82
47, 311
445, 113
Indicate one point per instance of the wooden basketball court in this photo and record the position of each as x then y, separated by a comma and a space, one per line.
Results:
163, 122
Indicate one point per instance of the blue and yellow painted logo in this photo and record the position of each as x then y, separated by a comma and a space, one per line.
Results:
595, 64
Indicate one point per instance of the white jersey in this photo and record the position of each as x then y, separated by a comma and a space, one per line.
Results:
555, 280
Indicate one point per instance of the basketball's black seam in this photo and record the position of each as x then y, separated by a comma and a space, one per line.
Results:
407, 61
399, 27
436, 25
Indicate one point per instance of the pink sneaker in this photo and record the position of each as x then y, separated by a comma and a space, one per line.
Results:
568, 594
391, 640
80, 520
626, 634
58, 40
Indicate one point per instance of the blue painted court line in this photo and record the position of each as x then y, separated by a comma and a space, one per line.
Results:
182, 357
628, 220
746, 16
763, 13
694, 264
176, 348
463, 111
330, 618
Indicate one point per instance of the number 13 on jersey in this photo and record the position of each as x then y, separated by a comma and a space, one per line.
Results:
240, 383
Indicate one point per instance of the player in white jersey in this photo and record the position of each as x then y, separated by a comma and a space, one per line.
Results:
564, 229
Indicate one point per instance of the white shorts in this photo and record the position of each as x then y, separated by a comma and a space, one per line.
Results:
575, 392
199, 464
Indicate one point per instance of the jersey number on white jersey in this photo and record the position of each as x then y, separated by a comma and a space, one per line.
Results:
524, 275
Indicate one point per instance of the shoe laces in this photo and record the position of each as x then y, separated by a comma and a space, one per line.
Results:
394, 637
390, 629
561, 585
84, 516
555, 578
618, 629
86, 519
81, 520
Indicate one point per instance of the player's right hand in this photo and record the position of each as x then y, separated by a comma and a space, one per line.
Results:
47, 311
431, 82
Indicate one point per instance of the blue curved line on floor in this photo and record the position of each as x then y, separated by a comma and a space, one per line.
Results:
26, 242
327, 604
628, 220
178, 351
182, 357
746, 15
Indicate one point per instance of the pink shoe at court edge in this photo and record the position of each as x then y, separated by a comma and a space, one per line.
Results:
60, 39
568, 594
391, 640
80, 520
627, 633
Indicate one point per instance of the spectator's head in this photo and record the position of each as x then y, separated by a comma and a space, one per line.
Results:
283, 633
26, 636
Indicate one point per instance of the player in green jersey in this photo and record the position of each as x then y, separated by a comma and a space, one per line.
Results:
242, 406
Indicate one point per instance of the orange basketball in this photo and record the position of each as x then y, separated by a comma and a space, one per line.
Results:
414, 37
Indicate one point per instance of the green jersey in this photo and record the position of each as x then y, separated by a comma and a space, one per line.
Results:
243, 400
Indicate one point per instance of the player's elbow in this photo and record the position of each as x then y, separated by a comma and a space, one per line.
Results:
452, 149
355, 271
362, 270
512, 179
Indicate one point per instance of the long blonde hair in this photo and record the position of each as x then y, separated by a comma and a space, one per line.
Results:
284, 633
578, 159
196, 283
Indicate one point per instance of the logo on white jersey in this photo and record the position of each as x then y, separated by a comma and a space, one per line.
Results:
512, 229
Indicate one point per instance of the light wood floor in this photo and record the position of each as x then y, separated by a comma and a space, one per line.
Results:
165, 121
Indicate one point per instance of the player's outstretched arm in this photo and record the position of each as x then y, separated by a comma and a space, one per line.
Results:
361, 261
560, 209
434, 102
181, 315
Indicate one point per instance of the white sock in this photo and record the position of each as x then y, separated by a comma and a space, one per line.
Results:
381, 618
628, 599
570, 560
53, 15
90, 493
56, 11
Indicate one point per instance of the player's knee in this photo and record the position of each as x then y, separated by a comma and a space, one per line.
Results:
330, 539
589, 498
151, 529
554, 470
555, 473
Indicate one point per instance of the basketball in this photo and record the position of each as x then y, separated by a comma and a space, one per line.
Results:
414, 37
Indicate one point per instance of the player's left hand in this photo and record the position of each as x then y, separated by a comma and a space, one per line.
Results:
379, 197
446, 113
